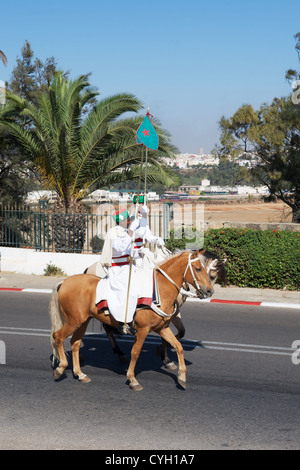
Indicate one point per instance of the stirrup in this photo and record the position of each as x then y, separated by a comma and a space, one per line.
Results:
126, 329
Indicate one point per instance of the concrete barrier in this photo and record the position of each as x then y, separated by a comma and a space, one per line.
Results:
26, 261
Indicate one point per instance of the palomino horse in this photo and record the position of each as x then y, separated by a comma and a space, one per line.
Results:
215, 269
72, 305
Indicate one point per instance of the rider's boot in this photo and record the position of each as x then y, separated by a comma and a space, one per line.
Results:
125, 329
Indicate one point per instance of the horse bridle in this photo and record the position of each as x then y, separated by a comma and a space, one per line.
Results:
189, 265
181, 290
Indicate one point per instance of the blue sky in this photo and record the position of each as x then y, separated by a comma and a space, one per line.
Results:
190, 61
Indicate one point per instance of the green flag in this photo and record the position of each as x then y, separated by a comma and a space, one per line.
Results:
147, 135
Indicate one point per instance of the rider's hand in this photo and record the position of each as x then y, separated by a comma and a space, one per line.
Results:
133, 226
160, 241
145, 211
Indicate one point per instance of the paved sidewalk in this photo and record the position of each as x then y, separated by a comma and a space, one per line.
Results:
10, 280
267, 297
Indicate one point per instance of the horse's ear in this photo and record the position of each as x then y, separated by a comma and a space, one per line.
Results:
198, 252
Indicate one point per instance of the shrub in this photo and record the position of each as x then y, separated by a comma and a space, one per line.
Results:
268, 259
96, 244
263, 259
184, 238
52, 270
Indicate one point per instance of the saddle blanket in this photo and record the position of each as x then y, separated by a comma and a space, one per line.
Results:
111, 292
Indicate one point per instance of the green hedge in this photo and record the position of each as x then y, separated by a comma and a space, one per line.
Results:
264, 259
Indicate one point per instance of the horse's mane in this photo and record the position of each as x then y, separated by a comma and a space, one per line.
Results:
170, 259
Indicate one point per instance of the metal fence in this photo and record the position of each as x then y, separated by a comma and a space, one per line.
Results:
68, 233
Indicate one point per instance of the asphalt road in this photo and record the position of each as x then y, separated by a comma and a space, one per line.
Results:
242, 387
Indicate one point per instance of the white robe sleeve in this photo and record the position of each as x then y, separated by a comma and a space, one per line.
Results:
149, 237
122, 246
116, 243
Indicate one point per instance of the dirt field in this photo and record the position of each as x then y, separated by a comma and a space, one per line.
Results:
231, 210
247, 212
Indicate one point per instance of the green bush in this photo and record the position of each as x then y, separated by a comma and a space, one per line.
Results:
96, 244
264, 259
255, 258
52, 270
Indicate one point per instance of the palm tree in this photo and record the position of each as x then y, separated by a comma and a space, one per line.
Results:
74, 152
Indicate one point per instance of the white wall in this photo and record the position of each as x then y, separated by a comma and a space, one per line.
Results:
23, 261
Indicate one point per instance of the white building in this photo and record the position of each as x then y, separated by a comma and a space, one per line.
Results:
33, 197
244, 190
186, 160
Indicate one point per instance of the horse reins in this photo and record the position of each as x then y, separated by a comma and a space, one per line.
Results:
180, 289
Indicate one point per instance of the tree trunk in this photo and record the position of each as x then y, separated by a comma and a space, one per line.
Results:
296, 214
67, 229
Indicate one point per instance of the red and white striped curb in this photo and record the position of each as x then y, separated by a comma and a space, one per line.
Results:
212, 301
18, 289
248, 302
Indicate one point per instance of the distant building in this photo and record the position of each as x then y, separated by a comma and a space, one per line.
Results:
205, 183
33, 197
186, 160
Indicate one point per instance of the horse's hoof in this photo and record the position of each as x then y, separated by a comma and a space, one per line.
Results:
170, 366
136, 387
124, 358
84, 379
182, 383
57, 374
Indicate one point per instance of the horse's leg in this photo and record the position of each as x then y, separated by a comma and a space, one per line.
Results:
59, 338
167, 335
177, 322
163, 349
139, 339
109, 331
76, 342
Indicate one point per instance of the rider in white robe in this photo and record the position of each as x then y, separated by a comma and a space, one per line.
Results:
112, 291
142, 236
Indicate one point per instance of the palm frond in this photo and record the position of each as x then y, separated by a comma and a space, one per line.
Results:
76, 153
96, 140
3, 57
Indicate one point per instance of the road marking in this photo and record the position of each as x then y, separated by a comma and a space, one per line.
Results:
187, 344
279, 305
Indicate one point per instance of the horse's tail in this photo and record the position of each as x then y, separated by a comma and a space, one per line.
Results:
56, 318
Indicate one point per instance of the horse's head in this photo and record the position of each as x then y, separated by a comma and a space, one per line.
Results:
202, 271
197, 276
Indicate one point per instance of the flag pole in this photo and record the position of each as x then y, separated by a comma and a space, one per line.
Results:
146, 135
146, 162
125, 328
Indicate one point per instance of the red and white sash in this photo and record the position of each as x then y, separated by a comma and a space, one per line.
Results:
120, 260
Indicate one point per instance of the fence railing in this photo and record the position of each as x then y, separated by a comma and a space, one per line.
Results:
68, 233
